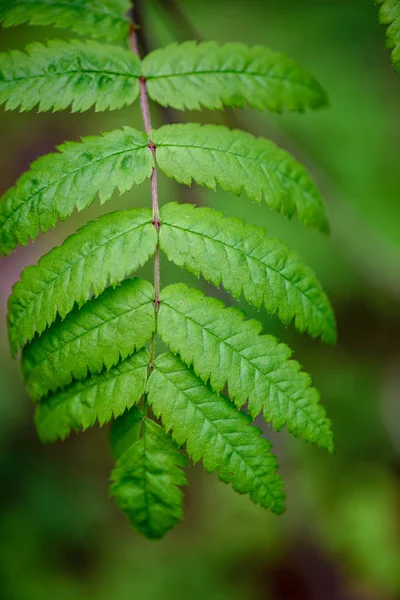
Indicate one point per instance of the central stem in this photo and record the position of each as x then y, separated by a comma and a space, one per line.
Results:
144, 105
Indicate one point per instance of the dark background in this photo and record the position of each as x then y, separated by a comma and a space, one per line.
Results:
60, 534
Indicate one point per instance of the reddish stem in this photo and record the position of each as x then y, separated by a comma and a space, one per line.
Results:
144, 105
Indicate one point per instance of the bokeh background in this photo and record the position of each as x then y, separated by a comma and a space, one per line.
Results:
60, 534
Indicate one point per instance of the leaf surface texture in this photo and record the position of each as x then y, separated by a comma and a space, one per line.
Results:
191, 76
245, 261
212, 155
62, 74
57, 184
102, 252
98, 398
215, 432
146, 480
224, 348
106, 19
101, 333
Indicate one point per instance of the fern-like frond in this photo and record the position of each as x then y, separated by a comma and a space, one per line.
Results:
222, 347
98, 398
389, 14
102, 252
146, 479
244, 260
101, 333
83, 330
71, 179
191, 76
62, 74
215, 431
106, 19
237, 161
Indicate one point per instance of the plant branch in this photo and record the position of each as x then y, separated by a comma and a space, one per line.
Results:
145, 109
140, 41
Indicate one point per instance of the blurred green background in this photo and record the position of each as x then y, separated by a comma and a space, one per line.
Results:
60, 534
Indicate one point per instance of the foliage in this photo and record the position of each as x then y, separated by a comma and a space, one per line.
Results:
146, 480
105, 330
245, 261
224, 348
389, 14
214, 432
191, 76
79, 405
238, 162
105, 19
57, 184
101, 253
69, 73
83, 328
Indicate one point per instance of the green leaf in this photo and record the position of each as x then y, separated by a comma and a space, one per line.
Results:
389, 14
222, 347
98, 398
101, 333
102, 252
146, 480
191, 76
237, 161
57, 184
215, 431
240, 257
60, 74
105, 19
125, 429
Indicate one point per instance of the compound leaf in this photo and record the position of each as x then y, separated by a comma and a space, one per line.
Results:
222, 347
237, 161
106, 19
146, 479
245, 261
60, 74
102, 252
98, 398
71, 179
101, 333
191, 76
215, 431
389, 14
